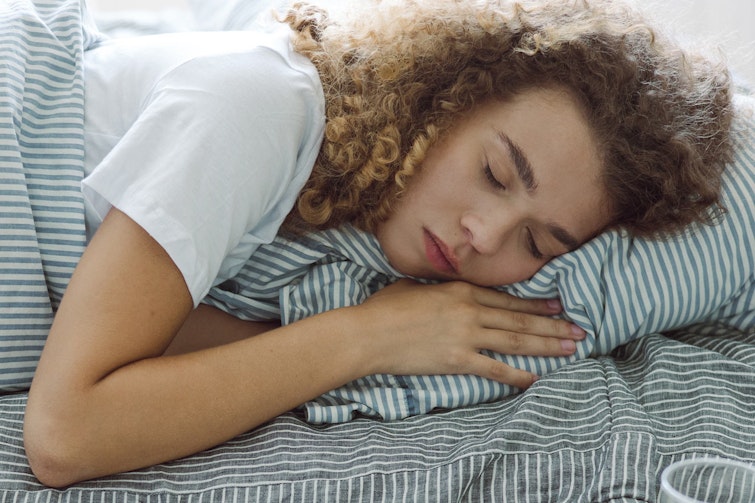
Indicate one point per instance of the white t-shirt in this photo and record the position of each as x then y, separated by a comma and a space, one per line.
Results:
203, 139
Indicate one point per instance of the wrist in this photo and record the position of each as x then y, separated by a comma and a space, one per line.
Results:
357, 332
346, 335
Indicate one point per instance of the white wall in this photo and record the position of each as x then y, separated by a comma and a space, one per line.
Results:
725, 24
114, 5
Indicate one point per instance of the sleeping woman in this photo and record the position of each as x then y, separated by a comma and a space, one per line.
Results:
475, 141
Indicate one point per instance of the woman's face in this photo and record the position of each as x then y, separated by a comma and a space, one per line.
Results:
513, 185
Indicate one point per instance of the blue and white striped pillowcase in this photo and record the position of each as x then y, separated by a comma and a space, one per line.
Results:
619, 288
615, 287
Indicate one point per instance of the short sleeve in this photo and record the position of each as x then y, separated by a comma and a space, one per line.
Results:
215, 160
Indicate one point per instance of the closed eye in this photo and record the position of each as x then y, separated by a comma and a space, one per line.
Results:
493, 180
534, 250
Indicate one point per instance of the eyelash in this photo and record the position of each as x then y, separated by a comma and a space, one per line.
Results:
530, 238
492, 179
533, 247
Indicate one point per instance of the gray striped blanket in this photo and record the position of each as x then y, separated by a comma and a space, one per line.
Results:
599, 430
41, 166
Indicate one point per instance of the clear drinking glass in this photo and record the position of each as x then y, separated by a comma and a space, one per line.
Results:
705, 480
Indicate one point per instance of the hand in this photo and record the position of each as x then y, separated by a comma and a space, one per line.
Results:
440, 329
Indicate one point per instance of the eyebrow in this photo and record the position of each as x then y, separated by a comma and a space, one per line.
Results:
564, 236
521, 163
526, 175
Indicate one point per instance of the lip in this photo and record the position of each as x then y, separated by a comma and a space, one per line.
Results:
439, 255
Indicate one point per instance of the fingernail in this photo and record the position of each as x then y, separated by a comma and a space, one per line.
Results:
554, 304
568, 346
578, 332
535, 378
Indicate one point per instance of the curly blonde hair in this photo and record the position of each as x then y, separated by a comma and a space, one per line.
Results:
397, 80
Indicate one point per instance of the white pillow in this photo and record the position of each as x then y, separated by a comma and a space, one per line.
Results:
246, 14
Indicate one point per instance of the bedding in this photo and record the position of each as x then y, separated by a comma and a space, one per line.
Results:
615, 287
41, 166
600, 428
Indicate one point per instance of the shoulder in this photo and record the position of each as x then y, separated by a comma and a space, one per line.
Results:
254, 72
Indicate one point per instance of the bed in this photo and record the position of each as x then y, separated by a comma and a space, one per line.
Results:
650, 389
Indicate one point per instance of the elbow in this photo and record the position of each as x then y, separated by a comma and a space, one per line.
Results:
48, 468
51, 454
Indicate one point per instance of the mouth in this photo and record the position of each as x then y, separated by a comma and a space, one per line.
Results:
441, 257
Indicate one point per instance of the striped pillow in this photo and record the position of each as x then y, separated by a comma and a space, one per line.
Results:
615, 287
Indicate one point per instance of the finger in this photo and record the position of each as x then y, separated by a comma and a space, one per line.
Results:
524, 323
488, 368
493, 298
510, 343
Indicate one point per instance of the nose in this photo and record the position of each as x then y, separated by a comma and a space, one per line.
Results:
487, 232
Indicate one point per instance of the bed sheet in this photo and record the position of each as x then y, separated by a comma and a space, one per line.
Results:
597, 430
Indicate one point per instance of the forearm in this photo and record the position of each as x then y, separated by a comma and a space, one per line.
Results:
163, 408
105, 399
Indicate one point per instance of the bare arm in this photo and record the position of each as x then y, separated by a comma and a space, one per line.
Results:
106, 400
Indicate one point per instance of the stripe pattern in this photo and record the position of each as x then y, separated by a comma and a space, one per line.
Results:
599, 429
615, 287
602, 429
41, 166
